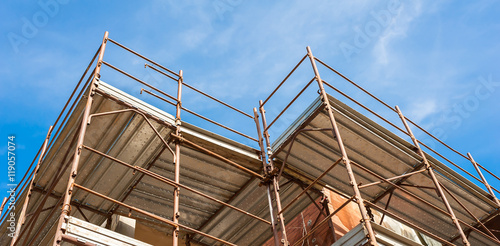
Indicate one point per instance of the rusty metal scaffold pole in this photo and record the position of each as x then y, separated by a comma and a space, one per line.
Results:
434, 179
74, 168
177, 161
22, 215
268, 184
271, 176
270, 172
493, 197
336, 134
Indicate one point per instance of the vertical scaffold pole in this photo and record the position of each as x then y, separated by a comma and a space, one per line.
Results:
434, 179
177, 161
22, 215
78, 150
483, 179
268, 184
336, 134
3, 205
275, 181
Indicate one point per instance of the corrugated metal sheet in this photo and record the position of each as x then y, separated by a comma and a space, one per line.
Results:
384, 153
129, 138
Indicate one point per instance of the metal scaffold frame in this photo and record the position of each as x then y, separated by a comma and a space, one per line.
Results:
270, 175
396, 182
66, 203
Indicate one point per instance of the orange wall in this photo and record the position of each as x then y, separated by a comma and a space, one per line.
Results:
343, 221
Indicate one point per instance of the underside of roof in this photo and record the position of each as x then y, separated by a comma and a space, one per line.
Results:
128, 137
380, 151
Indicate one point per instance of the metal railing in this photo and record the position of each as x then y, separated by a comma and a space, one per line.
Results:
394, 182
27, 229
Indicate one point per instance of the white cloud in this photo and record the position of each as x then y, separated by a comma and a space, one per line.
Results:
422, 109
397, 29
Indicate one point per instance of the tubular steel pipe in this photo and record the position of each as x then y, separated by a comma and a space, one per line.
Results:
200, 116
393, 178
135, 168
128, 105
312, 200
141, 114
177, 162
364, 107
167, 95
57, 132
413, 195
136, 182
336, 133
73, 93
283, 81
265, 167
143, 57
434, 179
386, 206
55, 180
293, 141
289, 104
310, 185
488, 171
166, 74
399, 182
437, 139
409, 120
419, 186
449, 161
56, 177
484, 179
260, 140
488, 218
59, 128
401, 189
204, 94
53, 209
134, 78
398, 218
469, 212
220, 209
154, 216
352, 82
76, 158
171, 182
3, 204
73, 105
232, 163
330, 222
43, 210
82, 213
37, 233
275, 181
22, 214
18, 194
324, 221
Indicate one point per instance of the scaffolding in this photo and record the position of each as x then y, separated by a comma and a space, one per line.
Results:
331, 147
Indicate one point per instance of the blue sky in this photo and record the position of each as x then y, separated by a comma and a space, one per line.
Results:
437, 60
